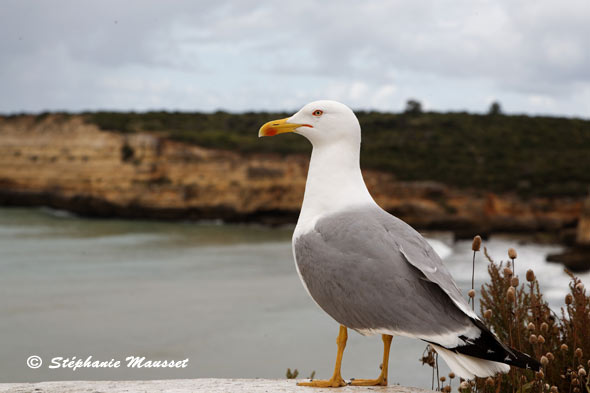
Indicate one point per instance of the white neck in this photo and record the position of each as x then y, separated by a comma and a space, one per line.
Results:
334, 183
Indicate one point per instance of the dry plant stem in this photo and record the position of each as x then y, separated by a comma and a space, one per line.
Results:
437, 376
517, 316
516, 312
510, 325
532, 297
473, 281
432, 388
511, 321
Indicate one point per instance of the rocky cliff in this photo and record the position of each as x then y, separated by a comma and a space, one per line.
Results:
63, 162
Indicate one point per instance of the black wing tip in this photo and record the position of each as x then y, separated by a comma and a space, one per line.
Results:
524, 361
487, 346
498, 353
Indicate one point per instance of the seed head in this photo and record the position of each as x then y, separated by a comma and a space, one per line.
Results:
476, 245
487, 314
582, 372
541, 339
533, 339
471, 293
578, 353
514, 281
443, 378
531, 326
575, 381
564, 347
464, 385
511, 294
547, 387
530, 275
507, 272
553, 389
512, 253
452, 375
580, 286
490, 381
569, 299
544, 360
550, 356
544, 327
447, 389
540, 374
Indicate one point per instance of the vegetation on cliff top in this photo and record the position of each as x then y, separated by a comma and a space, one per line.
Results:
534, 156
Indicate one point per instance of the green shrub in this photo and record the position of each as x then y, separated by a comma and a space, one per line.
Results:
533, 156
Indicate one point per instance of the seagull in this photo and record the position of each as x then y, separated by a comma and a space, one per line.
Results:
369, 270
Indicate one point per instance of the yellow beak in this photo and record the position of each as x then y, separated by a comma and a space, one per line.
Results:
281, 126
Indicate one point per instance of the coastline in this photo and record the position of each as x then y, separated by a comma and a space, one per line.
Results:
69, 164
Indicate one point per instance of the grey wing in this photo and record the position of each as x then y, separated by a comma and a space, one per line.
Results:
357, 271
418, 252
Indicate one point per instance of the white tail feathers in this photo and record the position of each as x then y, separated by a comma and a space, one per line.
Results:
469, 367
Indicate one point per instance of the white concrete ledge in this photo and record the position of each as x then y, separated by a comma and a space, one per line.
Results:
205, 385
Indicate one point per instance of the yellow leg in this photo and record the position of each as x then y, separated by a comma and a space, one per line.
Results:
382, 379
336, 381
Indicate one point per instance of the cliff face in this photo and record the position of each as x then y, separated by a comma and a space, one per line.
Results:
583, 232
65, 163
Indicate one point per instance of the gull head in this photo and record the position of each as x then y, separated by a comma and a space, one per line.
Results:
322, 122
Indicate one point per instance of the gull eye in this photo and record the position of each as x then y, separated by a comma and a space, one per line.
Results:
318, 112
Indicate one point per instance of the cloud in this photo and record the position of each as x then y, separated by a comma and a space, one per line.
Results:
242, 55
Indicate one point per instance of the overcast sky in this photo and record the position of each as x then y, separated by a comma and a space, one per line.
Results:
532, 56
